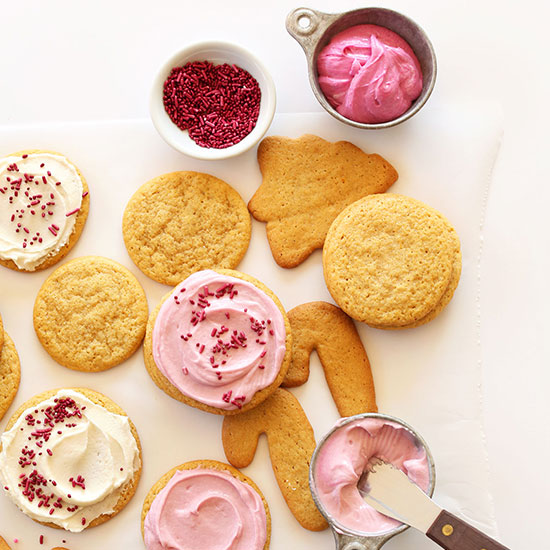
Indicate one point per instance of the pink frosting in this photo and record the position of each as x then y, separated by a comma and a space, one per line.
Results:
219, 339
347, 453
205, 509
369, 74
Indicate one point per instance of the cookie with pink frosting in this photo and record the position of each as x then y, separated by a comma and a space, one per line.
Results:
208, 503
220, 341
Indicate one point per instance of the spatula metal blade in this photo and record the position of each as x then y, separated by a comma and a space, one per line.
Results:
389, 490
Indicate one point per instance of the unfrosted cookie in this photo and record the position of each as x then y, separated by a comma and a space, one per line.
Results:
182, 222
445, 299
391, 261
291, 443
327, 329
90, 484
10, 374
219, 341
90, 314
239, 502
44, 202
306, 183
1, 333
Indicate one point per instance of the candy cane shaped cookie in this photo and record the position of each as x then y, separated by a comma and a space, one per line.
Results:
327, 329
291, 444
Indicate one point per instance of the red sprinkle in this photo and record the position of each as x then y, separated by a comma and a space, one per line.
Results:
218, 104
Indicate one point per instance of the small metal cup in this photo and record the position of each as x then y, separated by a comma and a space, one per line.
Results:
346, 539
314, 29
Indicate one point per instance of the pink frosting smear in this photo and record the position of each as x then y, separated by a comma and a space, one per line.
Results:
206, 509
369, 74
219, 339
348, 452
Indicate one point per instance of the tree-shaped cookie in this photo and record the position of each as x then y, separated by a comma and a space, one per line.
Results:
327, 329
291, 444
306, 183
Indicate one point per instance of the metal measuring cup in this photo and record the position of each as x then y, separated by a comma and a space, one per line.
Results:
313, 30
347, 539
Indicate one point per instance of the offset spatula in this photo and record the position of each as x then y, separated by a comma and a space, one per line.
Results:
389, 490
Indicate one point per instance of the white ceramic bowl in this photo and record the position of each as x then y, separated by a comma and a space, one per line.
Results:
217, 53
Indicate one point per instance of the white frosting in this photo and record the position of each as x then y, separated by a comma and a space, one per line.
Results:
91, 459
40, 196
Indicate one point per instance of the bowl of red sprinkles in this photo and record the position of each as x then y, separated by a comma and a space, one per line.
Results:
212, 100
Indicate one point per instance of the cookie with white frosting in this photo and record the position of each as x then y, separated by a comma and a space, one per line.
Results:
44, 203
70, 459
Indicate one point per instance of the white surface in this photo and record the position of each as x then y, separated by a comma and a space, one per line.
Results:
428, 376
63, 60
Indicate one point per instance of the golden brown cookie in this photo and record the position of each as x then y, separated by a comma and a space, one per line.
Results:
210, 465
183, 222
127, 490
445, 299
1, 334
391, 261
43, 201
291, 444
327, 329
10, 374
90, 314
306, 183
164, 384
4, 545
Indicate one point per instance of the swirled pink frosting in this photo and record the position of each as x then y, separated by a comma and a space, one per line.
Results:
219, 339
348, 452
369, 74
206, 509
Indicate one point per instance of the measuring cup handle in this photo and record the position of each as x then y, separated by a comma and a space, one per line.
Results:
453, 533
306, 26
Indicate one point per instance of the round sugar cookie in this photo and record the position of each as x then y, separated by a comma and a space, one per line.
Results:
128, 489
10, 374
445, 299
90, 314
183, 222
208, 465
1, 333
164, 383
42, 206
388, 260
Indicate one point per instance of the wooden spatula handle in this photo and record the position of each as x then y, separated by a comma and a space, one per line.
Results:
453, 533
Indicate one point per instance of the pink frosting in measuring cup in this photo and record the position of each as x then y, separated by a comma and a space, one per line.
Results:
369, 74
348, 452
